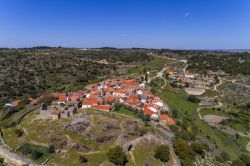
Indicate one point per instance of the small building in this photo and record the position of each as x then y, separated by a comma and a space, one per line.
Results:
164, 119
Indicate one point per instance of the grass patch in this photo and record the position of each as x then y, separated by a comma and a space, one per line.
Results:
10, 137
72, 158
243, 141
209, 111
35, 152
145, 154
125, 111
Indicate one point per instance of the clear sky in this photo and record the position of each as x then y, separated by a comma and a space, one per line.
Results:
176, 24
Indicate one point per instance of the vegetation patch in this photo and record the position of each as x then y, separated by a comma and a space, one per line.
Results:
35, 152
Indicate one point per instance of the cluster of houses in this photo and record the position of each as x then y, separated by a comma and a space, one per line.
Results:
195, 83
104, 95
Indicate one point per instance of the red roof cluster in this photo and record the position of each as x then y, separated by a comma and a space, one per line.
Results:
128, 92
91, 101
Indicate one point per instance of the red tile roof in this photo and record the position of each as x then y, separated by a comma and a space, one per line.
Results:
153, 105
82, 92
109, 89
106, 107
133, 101
121, 91
94, 92
90, 101
148, 111
62, 98
30, 99
74, 97
110, 98
16, 102
167, 118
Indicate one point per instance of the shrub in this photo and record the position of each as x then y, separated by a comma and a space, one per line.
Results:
51, 149
199, 148
83, 159
193, 99
142, 131
18, 132
187, 162
26, 149
117, 107
246, 159
19, 107
36, 154
175, 113
1, 160
225, 156
238, 163
117, 156
162, 153
183, 150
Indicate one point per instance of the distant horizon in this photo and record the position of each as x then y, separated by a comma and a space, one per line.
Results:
178, 24
102, 47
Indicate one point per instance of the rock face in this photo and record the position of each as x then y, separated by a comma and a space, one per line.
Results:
130, 127
78, 125
144, 140
14, 159
103, 128
81, 147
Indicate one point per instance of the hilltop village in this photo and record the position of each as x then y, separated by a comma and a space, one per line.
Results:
104, 96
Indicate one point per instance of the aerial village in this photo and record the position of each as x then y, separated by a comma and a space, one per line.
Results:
104, 96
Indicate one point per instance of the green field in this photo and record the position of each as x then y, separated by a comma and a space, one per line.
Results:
209, 111
187, 112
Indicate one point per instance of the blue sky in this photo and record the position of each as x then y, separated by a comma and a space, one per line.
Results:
176, 24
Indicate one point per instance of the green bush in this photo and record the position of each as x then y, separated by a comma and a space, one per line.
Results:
225, 156
193, 99
18, 132
199, 148
175, 113
32, 150
183, 151
117, 107
36, 154
25, 149
246, 159
238, 163
83, 159
117, 156
51, 149
162, 153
